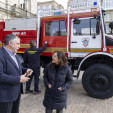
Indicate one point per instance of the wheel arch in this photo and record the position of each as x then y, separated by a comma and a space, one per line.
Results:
98, 57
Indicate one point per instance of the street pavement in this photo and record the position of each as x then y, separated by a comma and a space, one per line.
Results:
78, 101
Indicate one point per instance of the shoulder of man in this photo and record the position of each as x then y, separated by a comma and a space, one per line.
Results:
2, 51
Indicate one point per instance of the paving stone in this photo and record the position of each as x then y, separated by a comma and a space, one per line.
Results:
78, 101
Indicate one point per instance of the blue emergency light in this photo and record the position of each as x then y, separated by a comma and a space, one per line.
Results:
95, 3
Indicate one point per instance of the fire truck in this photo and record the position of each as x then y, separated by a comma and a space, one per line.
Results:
80, 33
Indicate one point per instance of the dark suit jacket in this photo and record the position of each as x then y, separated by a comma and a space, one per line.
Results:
9, 77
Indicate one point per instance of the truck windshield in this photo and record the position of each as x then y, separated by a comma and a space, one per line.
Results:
85, 27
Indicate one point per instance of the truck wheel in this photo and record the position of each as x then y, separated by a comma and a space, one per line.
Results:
97, 80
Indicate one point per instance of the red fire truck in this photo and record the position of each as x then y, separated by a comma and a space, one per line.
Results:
80, 33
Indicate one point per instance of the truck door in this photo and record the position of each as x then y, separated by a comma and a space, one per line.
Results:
84, 37
55, 34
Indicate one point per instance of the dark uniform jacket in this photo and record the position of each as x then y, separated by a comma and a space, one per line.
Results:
9, 77
57, 77
32, 57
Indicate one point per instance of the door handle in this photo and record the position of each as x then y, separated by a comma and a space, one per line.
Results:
74, 42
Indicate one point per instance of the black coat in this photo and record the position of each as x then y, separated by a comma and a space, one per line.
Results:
57, 77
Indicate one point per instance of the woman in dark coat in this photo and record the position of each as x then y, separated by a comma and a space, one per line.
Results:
57, 79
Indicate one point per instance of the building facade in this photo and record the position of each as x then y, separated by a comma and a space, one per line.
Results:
80, 3
17, 8
49, 5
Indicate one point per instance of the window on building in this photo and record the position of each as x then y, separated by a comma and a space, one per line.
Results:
55, 28
22, 4
44, 7
21, 1
80, 3
85, 27
55, 7
107, 29
107, 17
84, 4
38, 7
108, 4
49, 6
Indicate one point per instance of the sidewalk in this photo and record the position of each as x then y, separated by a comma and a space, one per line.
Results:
78, 101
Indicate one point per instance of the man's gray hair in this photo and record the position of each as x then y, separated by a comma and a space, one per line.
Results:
10, 37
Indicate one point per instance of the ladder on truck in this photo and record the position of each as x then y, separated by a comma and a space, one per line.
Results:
68, 12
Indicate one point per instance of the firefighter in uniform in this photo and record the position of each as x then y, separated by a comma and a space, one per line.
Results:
32, 60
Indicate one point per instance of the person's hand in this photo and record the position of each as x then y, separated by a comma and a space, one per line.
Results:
45, 42
60, 88
23, 78
49, 86
29, 72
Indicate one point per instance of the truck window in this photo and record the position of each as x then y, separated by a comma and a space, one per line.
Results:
85, 27
55, 28
93, 26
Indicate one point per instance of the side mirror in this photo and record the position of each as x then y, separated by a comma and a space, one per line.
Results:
76, 21
98, 27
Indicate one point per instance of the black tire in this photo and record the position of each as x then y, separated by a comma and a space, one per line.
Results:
97, 80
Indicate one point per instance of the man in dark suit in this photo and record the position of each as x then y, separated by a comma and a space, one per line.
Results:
11, 75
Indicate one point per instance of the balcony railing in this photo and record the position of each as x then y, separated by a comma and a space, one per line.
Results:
14, 10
